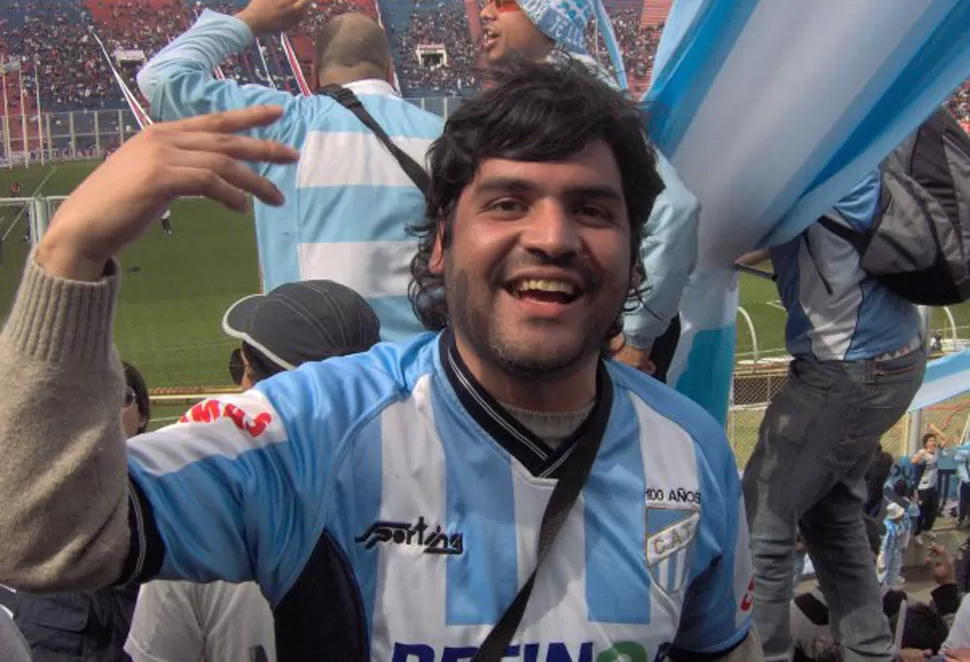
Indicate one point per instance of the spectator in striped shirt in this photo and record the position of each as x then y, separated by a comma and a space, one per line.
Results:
348, 202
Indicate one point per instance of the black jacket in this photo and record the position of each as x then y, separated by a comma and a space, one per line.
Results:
74, 627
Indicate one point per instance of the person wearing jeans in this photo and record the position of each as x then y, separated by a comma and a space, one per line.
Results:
929, 493
858, 362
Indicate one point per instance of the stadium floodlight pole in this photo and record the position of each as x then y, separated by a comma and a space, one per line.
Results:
262, 58
24, 140
40, 122
6, 114
915, 428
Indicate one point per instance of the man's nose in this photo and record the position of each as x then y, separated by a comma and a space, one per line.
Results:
551, 230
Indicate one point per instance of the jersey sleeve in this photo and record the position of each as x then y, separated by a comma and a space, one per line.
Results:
165, 627
858, 208
668, 251
239, 488
233, 488
716, 615
178, 81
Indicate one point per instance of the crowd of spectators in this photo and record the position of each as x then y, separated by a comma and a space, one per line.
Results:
637, 43
73, 73
437, 23
959, 105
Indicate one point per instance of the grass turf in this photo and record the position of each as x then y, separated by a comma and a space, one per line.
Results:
175, 288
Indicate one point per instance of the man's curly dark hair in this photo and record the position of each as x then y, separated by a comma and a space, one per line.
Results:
532, 112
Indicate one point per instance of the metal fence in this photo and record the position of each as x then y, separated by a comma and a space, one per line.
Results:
753, 389
760, 373
88, 134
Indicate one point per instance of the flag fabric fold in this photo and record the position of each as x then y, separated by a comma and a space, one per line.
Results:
771, 110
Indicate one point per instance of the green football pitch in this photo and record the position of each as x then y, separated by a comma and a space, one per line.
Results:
176, 288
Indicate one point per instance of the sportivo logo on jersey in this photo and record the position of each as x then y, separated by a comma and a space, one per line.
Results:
670, 531
404, 533
554, 651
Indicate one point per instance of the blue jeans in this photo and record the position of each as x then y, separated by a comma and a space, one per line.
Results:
807, 471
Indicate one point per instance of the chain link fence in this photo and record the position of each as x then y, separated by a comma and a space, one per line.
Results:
755, 384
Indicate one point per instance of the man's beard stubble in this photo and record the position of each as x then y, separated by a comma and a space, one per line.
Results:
479, 329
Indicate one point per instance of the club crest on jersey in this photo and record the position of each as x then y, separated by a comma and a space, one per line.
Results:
669, 536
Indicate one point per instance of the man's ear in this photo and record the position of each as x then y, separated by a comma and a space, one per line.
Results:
436, 265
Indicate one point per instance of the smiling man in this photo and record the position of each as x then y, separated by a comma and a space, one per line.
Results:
555, 31
496, 487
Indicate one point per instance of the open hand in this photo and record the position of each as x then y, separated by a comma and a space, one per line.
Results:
272, 16
631, 355
120, 199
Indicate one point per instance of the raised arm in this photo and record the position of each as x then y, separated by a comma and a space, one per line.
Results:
70, 508
669, 252
178, 82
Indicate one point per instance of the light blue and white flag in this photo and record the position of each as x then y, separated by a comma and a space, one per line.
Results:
945, 378
771, 110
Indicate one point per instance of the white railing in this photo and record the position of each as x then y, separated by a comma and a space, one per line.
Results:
88, 134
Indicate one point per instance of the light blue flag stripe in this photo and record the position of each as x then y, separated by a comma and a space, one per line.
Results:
771, 110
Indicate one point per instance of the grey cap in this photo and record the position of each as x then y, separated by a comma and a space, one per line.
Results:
309, 320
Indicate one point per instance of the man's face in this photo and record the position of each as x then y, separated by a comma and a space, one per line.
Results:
507, 29
539, 264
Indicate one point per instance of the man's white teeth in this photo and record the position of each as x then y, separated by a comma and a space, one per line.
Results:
545, 285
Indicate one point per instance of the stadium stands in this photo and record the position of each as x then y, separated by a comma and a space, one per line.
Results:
436, 44
655, 12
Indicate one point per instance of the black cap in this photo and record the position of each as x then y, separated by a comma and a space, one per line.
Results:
310, 320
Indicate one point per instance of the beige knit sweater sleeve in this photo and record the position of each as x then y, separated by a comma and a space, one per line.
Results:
64, 478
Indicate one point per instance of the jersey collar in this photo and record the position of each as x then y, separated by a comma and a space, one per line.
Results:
534, 454
372, 86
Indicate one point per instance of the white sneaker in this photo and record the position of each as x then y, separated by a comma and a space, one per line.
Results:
918, 540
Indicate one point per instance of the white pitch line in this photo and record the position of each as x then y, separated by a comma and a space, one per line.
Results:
776, 304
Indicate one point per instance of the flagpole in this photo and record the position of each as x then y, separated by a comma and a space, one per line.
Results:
6, 115
262, 59
40, 123
23, 114
291, 59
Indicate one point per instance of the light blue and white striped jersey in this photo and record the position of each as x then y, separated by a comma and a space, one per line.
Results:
386, 504
348, 202
836, 311
961, 456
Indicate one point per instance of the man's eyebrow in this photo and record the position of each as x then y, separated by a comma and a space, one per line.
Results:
515, 184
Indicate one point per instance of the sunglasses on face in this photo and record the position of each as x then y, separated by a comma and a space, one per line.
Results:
505, 5
129, 396
236, 366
